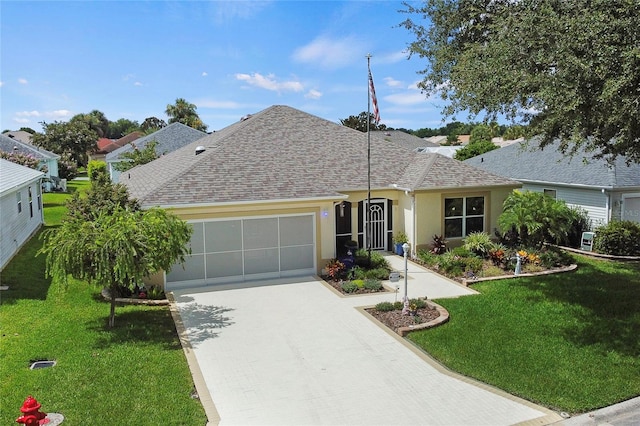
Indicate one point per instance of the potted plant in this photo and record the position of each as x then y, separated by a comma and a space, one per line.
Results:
398, 240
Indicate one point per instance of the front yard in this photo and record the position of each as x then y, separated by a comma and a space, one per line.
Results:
567, 341
134, 373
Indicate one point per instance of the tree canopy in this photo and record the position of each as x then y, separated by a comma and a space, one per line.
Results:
74, 138
359, 122
185, 113
152, 124
137, 156
567, 69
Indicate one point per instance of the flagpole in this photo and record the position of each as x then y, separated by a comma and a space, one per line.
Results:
368, 215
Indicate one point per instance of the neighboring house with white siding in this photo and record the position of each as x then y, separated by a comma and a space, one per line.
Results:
47, 161
606, 191
20, 206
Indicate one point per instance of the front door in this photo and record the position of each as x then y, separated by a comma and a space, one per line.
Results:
377, 225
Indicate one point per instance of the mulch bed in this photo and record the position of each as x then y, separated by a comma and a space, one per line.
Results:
338, 286
395, 319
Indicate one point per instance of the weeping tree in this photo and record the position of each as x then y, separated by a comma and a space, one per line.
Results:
117, 249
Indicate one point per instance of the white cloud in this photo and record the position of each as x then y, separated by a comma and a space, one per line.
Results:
228, 10
313, 94
28, 114
23, 81
392, 82
60, 113
330, 53
207, 103
137, 83
204, 73
21, 120
391, 58
269, 82
406, 98
1, 83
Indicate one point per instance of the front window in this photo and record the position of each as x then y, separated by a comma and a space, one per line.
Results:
463, 216
19, 200
551, 193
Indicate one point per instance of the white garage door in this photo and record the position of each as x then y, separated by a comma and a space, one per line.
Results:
240, 249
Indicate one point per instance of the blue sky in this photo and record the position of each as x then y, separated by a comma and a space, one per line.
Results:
130, 59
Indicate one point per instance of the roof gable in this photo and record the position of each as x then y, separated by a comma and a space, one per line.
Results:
278, 153
525, 161
169, 138
8, 144
14, 175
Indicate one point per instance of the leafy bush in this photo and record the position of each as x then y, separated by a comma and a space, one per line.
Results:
430, 259
479, 243
491, 271
438, 245
385, 307
400, 237
377, 260
372, 284
418, 303
357, 273
96, 168
349, 287
155, 292
620, 238
579, 222
377, 274
553, 257
335, 269
358, 283
462, 252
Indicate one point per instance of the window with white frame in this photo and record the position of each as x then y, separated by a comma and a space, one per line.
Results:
551, 193
30, 201
19, 200
462, 216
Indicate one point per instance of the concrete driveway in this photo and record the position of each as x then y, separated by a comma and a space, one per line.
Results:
297, 353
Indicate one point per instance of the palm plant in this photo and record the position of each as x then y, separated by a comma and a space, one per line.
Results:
185, 113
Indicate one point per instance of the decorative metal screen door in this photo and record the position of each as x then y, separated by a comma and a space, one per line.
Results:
377, 225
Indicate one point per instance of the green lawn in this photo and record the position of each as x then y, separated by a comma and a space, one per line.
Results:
135, 373
568, 341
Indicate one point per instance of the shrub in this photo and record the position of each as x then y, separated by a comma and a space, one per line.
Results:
491, 271
418, 303
439, 244
498, 255
377, 274
479, 243
579, 222
155, 292
553, 257
385, 307
377, 260
357, 273
372, 284
335, 269
428, 258
620, 238
349, 287
462, 252
400, 237
358, 283
95, 169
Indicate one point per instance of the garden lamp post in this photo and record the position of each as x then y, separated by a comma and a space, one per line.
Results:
405, 250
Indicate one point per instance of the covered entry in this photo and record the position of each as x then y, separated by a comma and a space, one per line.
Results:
250, 248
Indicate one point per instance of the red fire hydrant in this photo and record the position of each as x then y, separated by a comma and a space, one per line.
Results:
31, 415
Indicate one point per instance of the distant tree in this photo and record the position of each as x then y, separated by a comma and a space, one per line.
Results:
567, 69
121, 127
137, 156
96, 120
473, 149
514, 132
185, 113
480, 133
73, 137
359, 122
67, 167
152, 124
27, 129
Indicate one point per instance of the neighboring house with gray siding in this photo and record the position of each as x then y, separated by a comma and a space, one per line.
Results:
46, 158
170, 138
606, 191
20, 206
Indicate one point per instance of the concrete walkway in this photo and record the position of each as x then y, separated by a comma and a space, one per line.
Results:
295, 352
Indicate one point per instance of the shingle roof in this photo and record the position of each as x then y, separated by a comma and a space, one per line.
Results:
283, 153
8, 144
410, 141
13, 175
526, 162
170, 138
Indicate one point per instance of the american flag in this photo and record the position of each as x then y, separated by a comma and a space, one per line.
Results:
372, 92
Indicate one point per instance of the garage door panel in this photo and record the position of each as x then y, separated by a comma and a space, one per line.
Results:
260, 233
261, 261
293, 258
224, 264
193, 269
296, 230
240, 249
197, 239
222, 236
